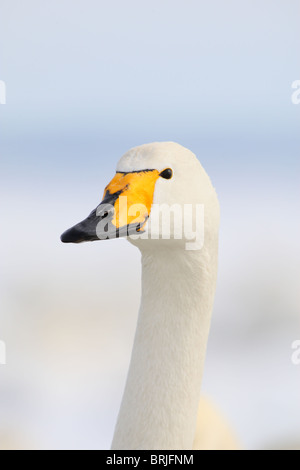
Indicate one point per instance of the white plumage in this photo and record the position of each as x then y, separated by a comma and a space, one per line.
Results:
161, 399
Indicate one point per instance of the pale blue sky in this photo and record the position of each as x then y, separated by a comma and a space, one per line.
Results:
135, 71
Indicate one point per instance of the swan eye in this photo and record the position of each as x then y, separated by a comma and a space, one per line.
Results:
166, 174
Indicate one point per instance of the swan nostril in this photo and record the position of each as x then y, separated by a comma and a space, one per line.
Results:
105, 212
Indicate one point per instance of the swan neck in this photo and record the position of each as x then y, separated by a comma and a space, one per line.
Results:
160, 401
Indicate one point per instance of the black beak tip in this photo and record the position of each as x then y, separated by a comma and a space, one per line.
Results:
70, 236
65, 237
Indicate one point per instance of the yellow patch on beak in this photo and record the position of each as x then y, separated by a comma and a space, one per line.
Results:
135, 198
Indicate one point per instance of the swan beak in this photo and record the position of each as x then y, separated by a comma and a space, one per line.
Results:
123, 211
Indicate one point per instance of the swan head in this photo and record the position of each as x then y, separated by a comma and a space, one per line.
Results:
160, 194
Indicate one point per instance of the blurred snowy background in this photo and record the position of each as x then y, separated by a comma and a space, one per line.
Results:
87, 80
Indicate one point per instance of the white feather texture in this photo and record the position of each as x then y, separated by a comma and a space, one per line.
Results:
161, 397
